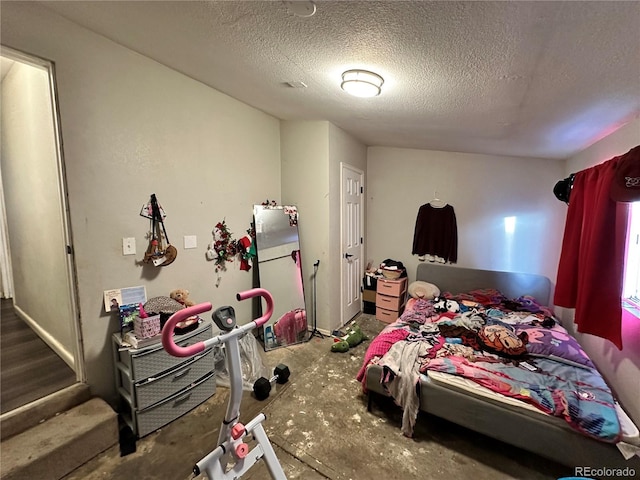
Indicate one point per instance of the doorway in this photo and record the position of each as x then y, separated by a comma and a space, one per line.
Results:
40, 329
352, 240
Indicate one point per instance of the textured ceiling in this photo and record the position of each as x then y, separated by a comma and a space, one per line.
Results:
533, 79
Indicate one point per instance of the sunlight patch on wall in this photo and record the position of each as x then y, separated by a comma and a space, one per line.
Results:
509, 225
509, 231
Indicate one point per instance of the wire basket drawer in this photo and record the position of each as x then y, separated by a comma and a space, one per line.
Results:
153, 389
155, 360
160, 414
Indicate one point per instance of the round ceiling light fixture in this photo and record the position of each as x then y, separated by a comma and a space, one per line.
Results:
362, 83
301, 8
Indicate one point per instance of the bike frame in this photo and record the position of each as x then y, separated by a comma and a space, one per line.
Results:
232, 432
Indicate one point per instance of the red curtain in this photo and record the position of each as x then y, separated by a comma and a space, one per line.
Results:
591, 268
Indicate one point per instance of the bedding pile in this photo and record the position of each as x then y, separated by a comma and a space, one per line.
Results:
511, 346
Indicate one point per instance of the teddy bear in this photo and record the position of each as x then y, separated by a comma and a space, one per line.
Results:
182, 296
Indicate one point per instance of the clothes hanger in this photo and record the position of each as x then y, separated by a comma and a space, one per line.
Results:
436, 202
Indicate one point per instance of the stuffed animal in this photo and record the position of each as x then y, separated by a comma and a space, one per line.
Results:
182, 296
444, 305
354, 337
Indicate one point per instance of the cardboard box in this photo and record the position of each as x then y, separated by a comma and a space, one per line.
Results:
369, 295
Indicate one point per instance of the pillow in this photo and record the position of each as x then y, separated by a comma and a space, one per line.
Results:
554, 343
419, 289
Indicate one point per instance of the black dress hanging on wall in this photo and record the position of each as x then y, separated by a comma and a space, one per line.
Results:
436, 233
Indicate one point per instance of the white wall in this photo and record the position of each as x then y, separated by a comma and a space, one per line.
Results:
621, 368
33, 207
343, 148
132, 127
615, 144
311, 156
305, 183
483, 191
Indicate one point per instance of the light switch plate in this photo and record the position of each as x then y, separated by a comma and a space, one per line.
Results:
190, 241
129, 246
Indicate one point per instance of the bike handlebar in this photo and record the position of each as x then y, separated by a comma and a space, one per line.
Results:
254, 292
181, 315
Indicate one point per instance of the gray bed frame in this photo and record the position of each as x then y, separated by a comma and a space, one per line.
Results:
549, 437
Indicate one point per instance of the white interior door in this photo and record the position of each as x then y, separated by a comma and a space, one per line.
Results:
352, 239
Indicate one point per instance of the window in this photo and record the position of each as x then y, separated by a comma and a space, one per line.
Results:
631, 287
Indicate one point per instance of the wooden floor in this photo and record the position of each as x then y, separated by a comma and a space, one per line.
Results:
29, 368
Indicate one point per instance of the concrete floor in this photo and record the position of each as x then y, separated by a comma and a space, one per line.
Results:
320, 428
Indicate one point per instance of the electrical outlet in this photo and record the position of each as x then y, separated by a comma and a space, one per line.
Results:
129, 246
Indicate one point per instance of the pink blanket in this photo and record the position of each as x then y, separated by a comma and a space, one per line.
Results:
379, 346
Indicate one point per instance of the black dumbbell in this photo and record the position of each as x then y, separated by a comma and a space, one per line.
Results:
262, 386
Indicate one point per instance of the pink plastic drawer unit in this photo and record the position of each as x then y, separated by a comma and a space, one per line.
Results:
390, 299
388, 302
395, 288
387, 316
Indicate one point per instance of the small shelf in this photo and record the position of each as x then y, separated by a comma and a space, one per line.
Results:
155, 388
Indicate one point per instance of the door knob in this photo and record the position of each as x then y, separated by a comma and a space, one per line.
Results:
347, 256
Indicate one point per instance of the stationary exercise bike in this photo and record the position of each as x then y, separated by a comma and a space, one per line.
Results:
232, 432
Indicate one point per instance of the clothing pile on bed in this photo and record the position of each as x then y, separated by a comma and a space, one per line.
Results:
511, 346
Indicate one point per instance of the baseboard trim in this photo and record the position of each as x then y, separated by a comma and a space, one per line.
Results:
46, 337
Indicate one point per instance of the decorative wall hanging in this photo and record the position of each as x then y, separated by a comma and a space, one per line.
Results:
147, 210
225, 248
157, 253
292, 211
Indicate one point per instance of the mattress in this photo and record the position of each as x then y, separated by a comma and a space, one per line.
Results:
630, 432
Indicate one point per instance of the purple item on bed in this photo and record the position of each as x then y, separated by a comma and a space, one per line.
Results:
555, 343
